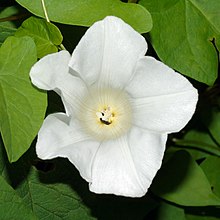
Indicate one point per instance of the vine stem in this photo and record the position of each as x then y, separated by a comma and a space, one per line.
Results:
45, 11
62, 47
48, 20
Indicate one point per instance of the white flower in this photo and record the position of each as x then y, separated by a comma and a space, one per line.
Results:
120, 105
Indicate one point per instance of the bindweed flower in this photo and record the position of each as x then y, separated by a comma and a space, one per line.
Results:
119, 104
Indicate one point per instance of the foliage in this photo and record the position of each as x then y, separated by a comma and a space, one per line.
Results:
46, 36
195, 29
22, 106
184, 35
85, 13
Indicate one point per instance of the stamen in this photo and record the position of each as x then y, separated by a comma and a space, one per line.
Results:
105, 116
105, 122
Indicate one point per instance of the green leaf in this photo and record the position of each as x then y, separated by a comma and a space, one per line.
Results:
200, 140
182, 35
5, 32
169, 212
22, 107
85, 13
201, 217
211, 168
195, 153
11, 205
183, 182
52, 200
49, 194
212, 121
45, 35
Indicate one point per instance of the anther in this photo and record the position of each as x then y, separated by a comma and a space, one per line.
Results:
105, 116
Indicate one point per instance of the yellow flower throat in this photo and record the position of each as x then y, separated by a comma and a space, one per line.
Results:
105, 113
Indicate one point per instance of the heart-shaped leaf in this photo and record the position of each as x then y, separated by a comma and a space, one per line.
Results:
85, 13
183, 182
183, 35
45, 35
22, 107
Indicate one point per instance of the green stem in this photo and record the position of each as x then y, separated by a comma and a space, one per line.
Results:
45, 11
15, 17
48, 20
62, 47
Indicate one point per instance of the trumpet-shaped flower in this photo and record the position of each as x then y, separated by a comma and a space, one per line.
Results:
119, 104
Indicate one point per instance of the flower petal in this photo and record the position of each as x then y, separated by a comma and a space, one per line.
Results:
108, 52
162, 99
126, 166
51, 73
147, 150
57, 138
49, 70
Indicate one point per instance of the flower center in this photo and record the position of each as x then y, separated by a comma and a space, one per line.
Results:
105, 113
106, 116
